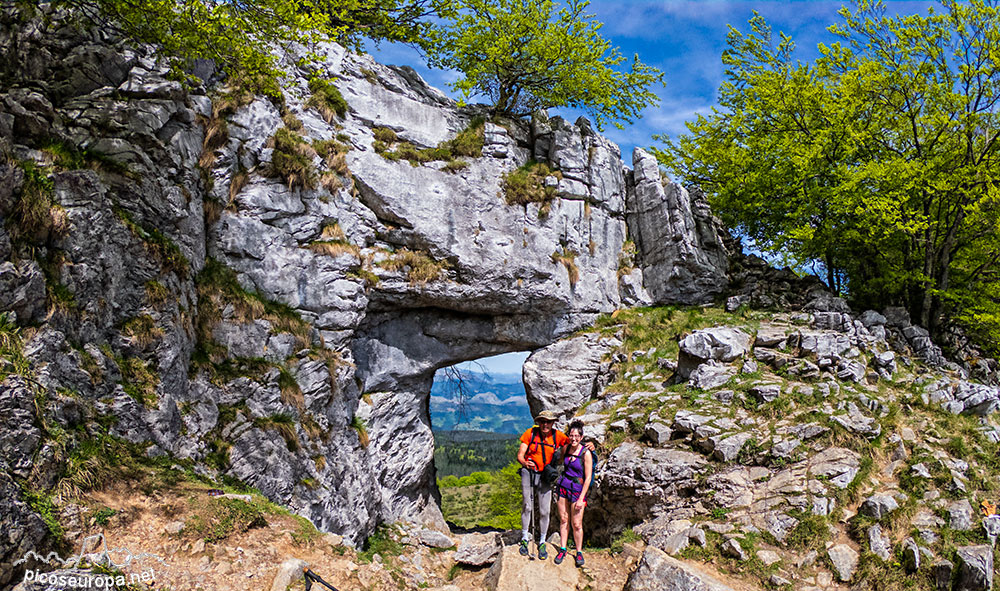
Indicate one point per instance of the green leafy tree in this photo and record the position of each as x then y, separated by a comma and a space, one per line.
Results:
524, 55
879, 159
239, 35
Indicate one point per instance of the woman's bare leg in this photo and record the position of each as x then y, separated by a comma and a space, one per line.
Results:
563, 521
578, 528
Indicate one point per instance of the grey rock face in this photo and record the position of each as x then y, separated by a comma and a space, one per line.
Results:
659, 572
683, 258
564, 375
975, 568
943, 570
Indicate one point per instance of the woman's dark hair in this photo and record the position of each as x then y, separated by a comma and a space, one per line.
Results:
577, 425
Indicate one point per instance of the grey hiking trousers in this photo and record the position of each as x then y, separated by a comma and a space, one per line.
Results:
531, 484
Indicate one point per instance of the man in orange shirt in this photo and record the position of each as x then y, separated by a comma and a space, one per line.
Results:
538, 448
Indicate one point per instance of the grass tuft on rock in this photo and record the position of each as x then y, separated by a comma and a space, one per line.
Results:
467, 143
527, 184
326, 99
292, 159
568, 259
419, 267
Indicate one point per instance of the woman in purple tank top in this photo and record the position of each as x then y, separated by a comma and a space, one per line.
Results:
578, 466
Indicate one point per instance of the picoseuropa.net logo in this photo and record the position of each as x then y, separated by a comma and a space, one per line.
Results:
94, 553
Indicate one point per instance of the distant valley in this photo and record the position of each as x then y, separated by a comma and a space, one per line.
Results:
490, 402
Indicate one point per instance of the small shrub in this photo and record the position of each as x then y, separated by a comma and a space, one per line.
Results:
156, 292
104, 515
229, 517
291, 393
142, 330
326, 99
292, 159
385, 135
383, 542
291, 121
138, 381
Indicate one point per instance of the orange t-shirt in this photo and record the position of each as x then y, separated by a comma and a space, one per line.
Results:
536, 447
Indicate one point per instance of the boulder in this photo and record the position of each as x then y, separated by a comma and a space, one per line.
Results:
878, 506
659, 572
975, 568
512, 572
564, 375
731, 548
878, 543
711, 374
961, 515
680, 250
723, 344
288, 572
477, 549
434, 539
943, 570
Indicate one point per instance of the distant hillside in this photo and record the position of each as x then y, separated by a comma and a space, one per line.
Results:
493, 402
461, 453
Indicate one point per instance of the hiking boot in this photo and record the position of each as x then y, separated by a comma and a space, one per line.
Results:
542, 553
524, 548
560, 555
579, 559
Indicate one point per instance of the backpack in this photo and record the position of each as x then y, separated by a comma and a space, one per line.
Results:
549, 472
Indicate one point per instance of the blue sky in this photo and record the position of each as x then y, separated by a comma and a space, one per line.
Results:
684, 39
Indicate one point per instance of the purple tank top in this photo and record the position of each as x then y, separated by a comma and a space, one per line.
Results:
574, 466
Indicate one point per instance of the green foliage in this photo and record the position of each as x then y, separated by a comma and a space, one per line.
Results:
878, 159
468, 142
228, 517
238, 36
453, 456
505, 498
525, 55
41, 503
32, 214
103, 515
418, 266
362, 430
810, 532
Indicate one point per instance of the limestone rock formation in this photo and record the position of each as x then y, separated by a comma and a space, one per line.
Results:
684, 260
